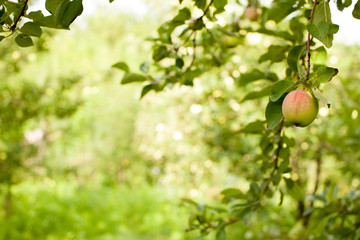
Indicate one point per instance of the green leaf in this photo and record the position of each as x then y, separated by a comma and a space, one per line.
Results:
242, 214
24, 40
273, 113
322, 27
219, 5
325, 74
276, 33
179, 62
255, 75
322, 13
275, 54
297, 28
160, 53
284, 165
51, 5
294, 56
133, 77
60, 10
319, 55
201, 4
31, 29
319, 96
341, 5
220, 234
356, 11
202, 236
110, 1
294, 189
152, 86
122, 66
280, 9
183, 15
256, 127
257, 94
230, 194
279, 88
36, 16
254, 188
72, 11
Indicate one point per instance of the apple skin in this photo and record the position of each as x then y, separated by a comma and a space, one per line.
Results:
300, 108
252, 14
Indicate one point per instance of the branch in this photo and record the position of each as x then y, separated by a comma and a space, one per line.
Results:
276, 159
207, 9
309, 42
13, 27
317, 180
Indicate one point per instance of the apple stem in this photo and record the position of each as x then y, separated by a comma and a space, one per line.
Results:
310, 38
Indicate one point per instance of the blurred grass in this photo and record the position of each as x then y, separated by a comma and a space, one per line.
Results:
64, 209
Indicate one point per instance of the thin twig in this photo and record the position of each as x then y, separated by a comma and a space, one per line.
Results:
207, 8
309, 42
13, 27
194, 55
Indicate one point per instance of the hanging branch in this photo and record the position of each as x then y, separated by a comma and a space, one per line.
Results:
276, 159
13, 27
309, 42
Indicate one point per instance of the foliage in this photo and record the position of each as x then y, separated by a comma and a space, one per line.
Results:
192, 44
227, 132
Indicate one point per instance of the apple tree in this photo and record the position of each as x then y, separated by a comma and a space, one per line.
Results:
215, 37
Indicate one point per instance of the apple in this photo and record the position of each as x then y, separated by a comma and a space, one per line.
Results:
251, 13
300, 108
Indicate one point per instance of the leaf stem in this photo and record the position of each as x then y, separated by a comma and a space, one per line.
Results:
309, 42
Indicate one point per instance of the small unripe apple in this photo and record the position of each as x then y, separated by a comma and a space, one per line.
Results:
300, 108
251, 13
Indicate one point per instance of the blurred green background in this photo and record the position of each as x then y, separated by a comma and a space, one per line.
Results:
86, 159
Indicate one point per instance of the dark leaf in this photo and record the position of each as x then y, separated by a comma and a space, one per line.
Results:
31, 29
279, 88
200, 4
122, 66
219, 5
356, 11
256, 127
275, 54
273, 113
257, 94
220, 234
230, 194
280, 9
160, 53
51, 5
325, 74
255, 75
72, 11
294, 56
133, 77
24, 40
179, 63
